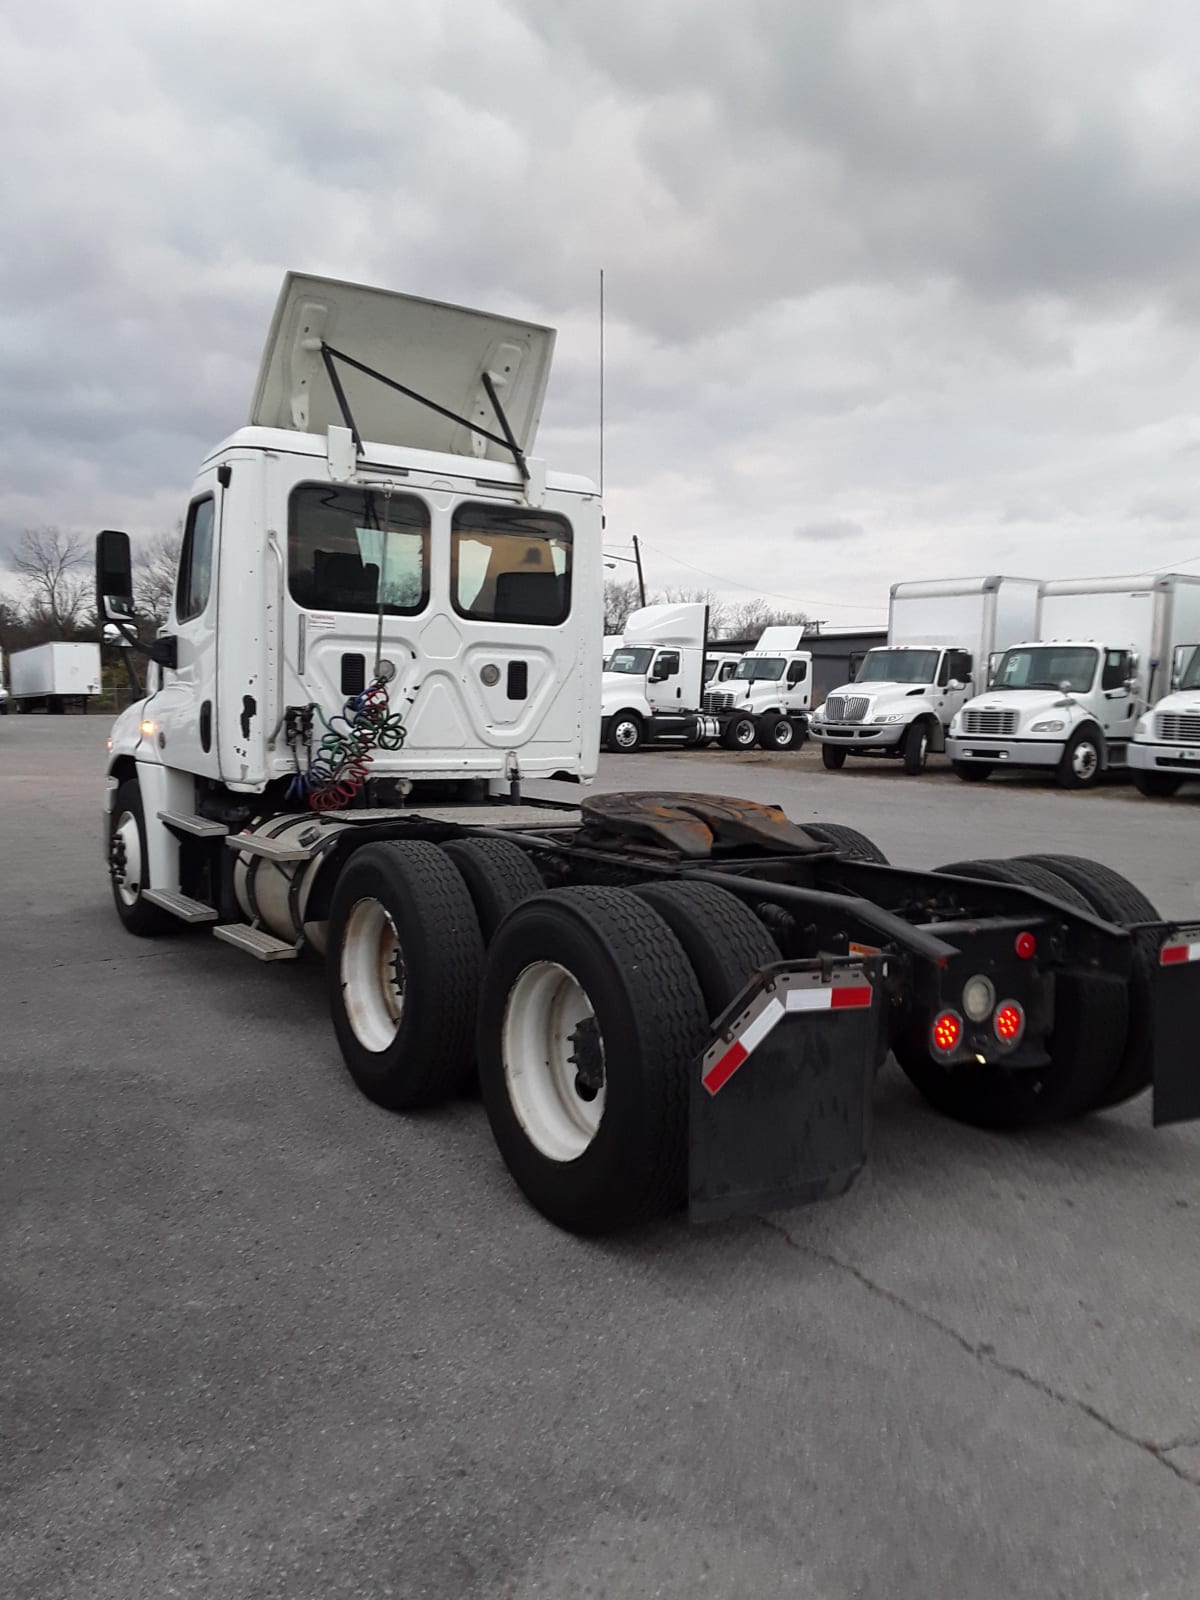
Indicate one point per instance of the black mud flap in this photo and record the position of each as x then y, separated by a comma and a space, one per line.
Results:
1176, 1002
781, 1099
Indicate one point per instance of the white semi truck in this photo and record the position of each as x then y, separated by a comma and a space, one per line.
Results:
387, 621
653, 680
1165, 750
1069, 697
941, 636
766, 698
52, 677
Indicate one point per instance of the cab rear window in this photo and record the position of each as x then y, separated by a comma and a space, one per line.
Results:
510, 565
356, 550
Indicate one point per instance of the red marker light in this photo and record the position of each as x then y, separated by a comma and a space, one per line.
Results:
1026, 946
947, 1031
1009, 1022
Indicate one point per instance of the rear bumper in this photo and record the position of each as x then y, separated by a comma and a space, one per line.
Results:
1175, 758
1006, 752
864, 737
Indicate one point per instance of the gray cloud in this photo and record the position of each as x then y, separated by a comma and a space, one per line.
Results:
926, 273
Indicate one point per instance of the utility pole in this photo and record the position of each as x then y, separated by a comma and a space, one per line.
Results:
637, 556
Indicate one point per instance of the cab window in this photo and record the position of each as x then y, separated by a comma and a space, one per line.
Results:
194, 583
510, 565
1116, 669
666, 665
797, 672
356, 550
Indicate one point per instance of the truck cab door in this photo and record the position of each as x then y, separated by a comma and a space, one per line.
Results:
954, 684
1119, 704
798, 687
665, 682
184, 709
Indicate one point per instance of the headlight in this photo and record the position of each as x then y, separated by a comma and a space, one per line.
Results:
1143, 727
819, 714
1054, 725
892, 716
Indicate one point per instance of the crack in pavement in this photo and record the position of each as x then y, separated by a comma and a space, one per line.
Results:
986, 1354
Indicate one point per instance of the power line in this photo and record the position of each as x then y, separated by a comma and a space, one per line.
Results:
792, 599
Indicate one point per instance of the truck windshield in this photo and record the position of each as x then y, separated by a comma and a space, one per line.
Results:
1047, 666
636, 662
348, 552
898, 666
760, 667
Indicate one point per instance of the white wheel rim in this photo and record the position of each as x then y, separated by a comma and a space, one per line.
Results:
546, 1006
127, 875
1084, 760
372, 975
626, 735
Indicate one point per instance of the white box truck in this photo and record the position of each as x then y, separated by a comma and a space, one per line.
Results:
766, 698
389, 618
49, 677
1069, 697
1165, 751
3, 690
941, 636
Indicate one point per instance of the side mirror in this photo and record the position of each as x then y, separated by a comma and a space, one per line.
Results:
956, 683
114, 576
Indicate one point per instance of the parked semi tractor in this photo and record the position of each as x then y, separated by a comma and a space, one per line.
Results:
766, 698
1165, 750
653, 680
1069, 698
941, 636
54, 677
387, 622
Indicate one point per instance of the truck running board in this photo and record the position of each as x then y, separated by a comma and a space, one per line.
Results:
180, 905
185, 822
263, 946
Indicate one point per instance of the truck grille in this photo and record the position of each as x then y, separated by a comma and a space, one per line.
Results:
715, 700
846, 707
1175, 727
999, 723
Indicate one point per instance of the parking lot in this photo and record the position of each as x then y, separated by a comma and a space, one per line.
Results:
259, 1338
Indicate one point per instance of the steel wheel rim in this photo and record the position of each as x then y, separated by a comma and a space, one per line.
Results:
743, 732
127, 861
539, 1050
625, 734
783, 736
371, 967
1085, 758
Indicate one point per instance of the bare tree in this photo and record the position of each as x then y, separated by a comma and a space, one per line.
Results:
154, 569
48, 560
748, 618
620, 598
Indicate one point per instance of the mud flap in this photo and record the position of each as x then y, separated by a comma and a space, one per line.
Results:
780, 1108
1176, 1006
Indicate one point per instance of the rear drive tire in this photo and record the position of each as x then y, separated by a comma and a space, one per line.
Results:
849, 841
777, 732
833, 757
722, 938
404, 963
498, 876
1083, 760
1159, 785
740, 734
1025, 874
590, 1019
626, 733
1117, 900
972, 771
128, 866
916, 748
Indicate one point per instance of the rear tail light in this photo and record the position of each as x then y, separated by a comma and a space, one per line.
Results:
946, 1033
1026, 946
1009, 1022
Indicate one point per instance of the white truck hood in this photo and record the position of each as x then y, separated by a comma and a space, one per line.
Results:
440, 351
885, 691
1027, 703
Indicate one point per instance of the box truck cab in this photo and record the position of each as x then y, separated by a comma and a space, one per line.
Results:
651, 687
905, 693
1068, 698
766, 698
1165, 751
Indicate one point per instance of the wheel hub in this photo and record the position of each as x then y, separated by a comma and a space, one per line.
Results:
587, 1056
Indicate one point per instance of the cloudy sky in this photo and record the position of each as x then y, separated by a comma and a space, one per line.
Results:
895, 288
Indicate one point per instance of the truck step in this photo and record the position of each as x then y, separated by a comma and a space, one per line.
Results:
259, 844
264, 946
180, 905
201, 827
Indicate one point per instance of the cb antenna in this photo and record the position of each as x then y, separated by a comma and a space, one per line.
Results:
602, 382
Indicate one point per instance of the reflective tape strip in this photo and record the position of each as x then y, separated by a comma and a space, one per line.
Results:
1172, 954
719, 1074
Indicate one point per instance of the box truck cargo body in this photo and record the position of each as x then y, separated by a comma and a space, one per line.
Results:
49, 677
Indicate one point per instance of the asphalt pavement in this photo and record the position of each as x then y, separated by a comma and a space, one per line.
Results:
260, 1338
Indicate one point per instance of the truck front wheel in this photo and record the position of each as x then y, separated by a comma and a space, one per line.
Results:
127, 866
589, 1020
916, 748
404, 961
1161, 785
833, 757
1082, 761
626, 733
